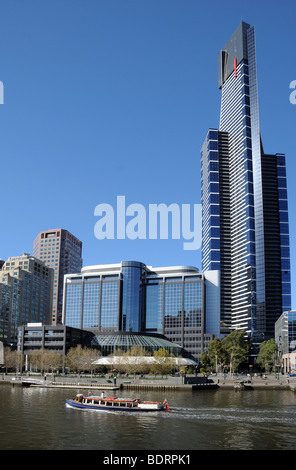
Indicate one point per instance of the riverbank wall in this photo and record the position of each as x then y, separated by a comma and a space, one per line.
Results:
159, 384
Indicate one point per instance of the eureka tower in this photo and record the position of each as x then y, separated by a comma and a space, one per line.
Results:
245, 231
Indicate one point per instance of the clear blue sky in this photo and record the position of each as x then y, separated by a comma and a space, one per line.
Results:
114, 97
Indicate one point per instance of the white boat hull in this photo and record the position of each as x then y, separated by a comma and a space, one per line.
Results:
114, 404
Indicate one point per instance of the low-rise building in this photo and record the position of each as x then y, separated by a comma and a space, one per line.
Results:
56, 338
285, 337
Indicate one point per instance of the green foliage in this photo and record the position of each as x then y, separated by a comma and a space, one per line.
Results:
136, 364
230, 351
12, 359
163, 362
81, 359
267, 354
206, 362
45, 360
236, 347
217, 355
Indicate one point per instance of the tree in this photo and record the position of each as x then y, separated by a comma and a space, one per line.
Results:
137, 364
80, 359
236, 347
45, 360
89, 357
56, 360
12, 359
217, 354
163, 362
205, 362
38, 359
267, 354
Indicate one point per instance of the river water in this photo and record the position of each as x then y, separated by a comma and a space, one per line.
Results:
37, 419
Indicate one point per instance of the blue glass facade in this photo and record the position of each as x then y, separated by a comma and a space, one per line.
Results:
238, 211
134, 298
258, 236
109, 304
92, 302
181, 305
244, 201
174, 302
193, 300
5, 300
210, 202
73, 301
154, 305
173, 305
284, 232
131, 311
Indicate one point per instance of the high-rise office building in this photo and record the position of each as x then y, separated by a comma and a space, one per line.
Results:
245, 231
131, 297
26, 294
5, 303
60, 250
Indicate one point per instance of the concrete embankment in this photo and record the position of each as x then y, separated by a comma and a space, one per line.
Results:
164, 384
258, 383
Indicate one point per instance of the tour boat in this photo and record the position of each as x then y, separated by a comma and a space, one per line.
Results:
92, 402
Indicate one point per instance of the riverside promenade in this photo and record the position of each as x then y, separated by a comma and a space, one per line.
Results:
274, 382
181, 383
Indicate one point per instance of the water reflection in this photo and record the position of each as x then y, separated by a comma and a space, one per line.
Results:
237, 437
33, 418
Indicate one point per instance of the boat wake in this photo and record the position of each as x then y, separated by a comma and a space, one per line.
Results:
230, 414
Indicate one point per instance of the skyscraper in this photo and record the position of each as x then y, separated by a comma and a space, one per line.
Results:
245, 231
60, 250
26, 294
